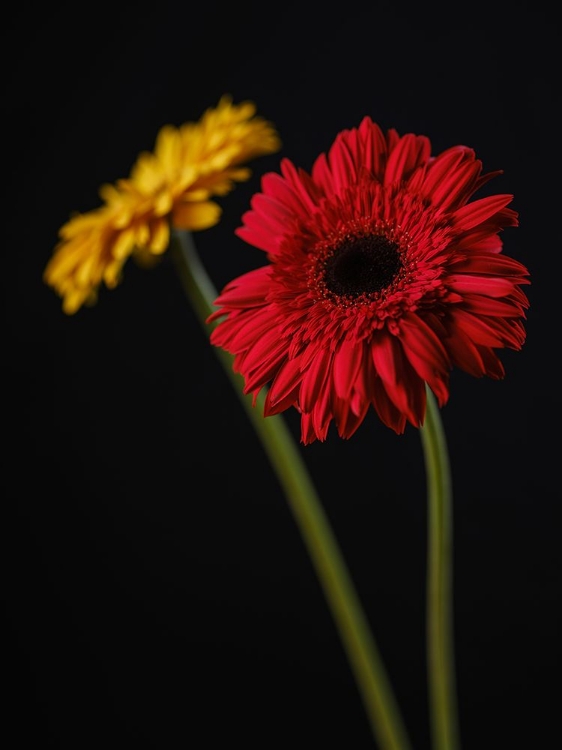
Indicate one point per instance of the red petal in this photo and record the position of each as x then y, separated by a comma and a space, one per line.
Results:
409, 153
493, 264
314, 379
427, 355
479, 331
493, 307
347, 421
400, 380
374, 148
285, 386
248, 290
492, 286
346, 366
479, 211
387, 411
342, 166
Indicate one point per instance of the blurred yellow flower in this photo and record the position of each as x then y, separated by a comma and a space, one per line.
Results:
169, 187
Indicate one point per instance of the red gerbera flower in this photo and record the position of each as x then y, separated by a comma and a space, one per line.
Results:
382, 277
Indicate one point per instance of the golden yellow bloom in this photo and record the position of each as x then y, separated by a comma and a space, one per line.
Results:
169, 187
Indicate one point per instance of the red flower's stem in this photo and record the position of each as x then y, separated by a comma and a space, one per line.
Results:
440, 651
362, 652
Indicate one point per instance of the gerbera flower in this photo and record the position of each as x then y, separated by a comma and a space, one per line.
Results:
383, 275
171, 187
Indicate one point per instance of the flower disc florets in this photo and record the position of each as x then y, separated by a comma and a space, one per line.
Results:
356, 266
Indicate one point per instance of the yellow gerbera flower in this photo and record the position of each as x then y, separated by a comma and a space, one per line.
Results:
169, 187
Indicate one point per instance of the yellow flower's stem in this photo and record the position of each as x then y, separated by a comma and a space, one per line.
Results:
440, 651
362, 652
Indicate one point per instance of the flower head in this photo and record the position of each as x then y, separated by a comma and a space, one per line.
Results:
169, 187
383, 275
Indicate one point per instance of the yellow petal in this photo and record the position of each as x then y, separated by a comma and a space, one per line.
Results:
163, 203
160, 236
195, 216
142, 235
123, 244
112, 273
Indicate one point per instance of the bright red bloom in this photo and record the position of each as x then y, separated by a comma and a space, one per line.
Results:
382, 277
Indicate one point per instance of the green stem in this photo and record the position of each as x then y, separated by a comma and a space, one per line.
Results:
362, 652
440, 651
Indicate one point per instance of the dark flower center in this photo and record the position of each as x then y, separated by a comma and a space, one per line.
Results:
361, 265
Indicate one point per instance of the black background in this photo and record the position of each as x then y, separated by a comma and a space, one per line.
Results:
157, 590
